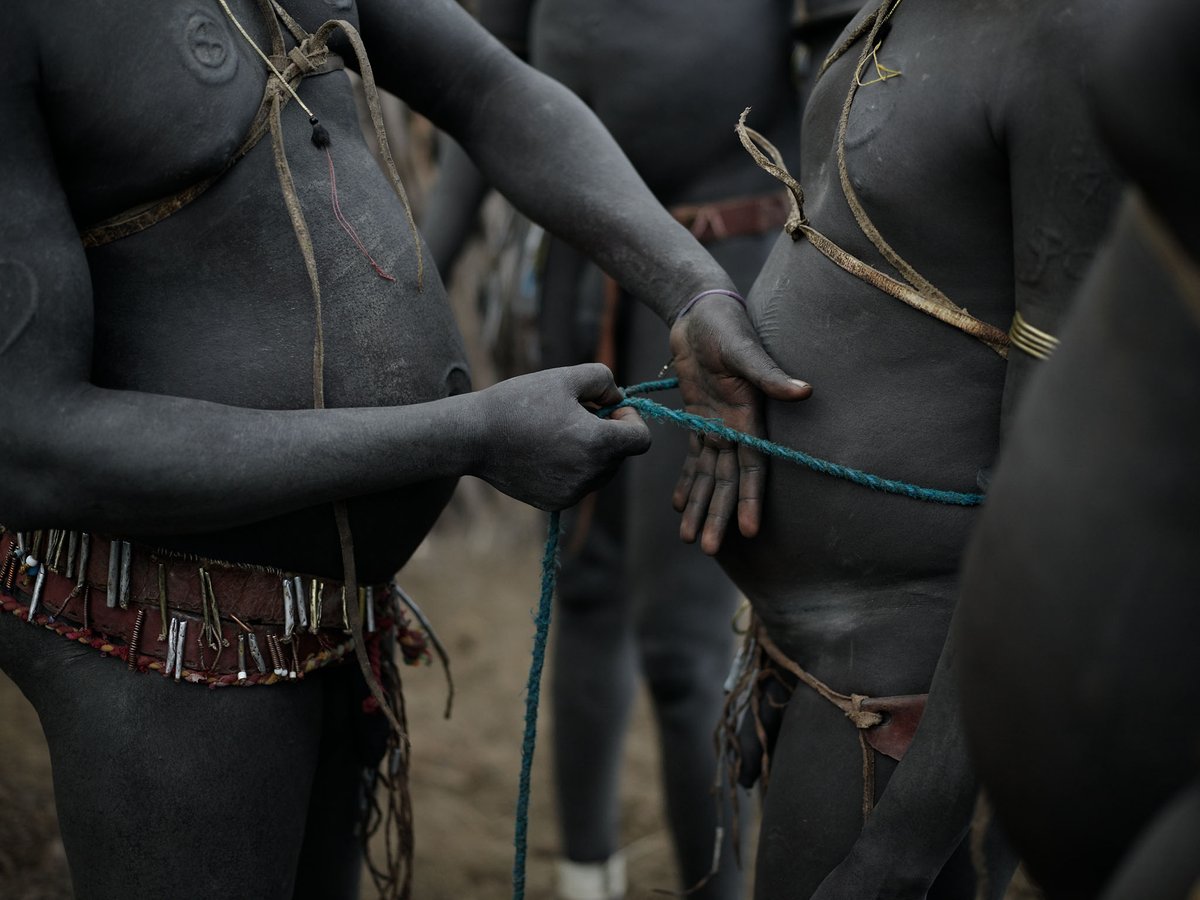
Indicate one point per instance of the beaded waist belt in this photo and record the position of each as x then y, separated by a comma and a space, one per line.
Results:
191, 619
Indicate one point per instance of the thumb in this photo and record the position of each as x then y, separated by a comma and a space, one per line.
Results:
628, 431
749, 360
593, 382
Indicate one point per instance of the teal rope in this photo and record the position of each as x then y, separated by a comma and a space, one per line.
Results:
700, 425
533, 692
716, 427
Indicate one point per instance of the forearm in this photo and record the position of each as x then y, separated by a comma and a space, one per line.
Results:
586, 191
539, 145
120, 460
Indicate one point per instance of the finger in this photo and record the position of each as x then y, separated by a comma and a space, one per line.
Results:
748, 359
724, 500
696, 510
594, 382
752, 481
628, 431
687, 475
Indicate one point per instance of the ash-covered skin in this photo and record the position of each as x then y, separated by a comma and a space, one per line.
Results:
966, 163
161, 388
1078, 623
668, 81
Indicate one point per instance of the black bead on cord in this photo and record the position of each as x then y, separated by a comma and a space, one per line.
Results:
320, 137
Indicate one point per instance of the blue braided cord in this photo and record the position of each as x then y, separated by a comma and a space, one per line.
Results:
647, 387
715, 427
533, 691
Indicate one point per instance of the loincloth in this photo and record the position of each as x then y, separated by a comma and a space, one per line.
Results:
885, 725
235, 621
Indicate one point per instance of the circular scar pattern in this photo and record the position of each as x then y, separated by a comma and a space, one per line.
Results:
208, 48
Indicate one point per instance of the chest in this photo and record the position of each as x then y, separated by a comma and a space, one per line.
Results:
918, 143
145, 97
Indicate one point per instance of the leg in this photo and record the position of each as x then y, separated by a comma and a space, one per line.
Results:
812, 817
683, 606
164, 787
812, 809
593, 677
594, 668
352, 744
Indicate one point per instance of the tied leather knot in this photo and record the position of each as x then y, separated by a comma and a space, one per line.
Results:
307, 57
862, 718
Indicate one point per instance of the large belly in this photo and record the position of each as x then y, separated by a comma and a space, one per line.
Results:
896, 394
215, 303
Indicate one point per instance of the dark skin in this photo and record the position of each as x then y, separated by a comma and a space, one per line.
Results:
980, 164
160, 387
1078, 623
632, 600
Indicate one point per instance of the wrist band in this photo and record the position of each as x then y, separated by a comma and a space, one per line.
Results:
700, 296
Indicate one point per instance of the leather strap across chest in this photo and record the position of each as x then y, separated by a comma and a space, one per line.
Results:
915, 290
310, 57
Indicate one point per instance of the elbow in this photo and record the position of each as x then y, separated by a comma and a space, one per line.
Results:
38, 477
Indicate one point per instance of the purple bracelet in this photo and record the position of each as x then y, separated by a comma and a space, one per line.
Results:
700, 296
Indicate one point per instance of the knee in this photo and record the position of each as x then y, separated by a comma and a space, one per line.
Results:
681, 675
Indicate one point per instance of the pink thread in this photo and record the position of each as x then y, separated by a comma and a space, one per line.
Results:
344, 222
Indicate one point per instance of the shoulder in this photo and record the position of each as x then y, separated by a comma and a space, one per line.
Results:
1046, 65
1051, 43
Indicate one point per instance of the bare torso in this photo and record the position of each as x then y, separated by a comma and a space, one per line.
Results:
214, 303
979, 165
897, 393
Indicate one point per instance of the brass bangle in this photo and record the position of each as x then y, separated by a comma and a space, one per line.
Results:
1037, 343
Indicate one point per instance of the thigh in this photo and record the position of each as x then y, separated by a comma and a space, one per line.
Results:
812, 809
352, 745
163, 788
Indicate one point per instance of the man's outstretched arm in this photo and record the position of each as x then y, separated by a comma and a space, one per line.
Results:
547, 152
73, 455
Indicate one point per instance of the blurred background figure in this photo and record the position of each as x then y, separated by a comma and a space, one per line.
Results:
669, 81
669, 84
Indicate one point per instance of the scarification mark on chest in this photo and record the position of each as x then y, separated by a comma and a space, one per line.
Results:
340, 4
873, 108
208, 48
